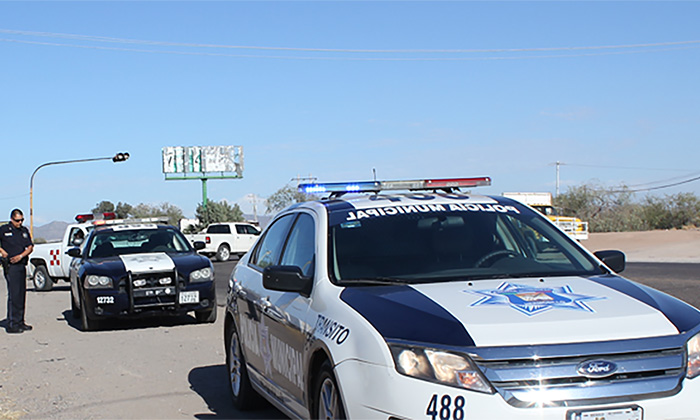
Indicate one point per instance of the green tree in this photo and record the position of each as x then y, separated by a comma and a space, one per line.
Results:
284, 197
173, 213
123, 210
103, 207
218, 212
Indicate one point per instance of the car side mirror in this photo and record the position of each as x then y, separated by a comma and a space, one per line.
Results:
199, 245
74, 252
613, 259
286, 278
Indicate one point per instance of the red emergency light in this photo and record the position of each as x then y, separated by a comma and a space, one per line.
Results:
82, 218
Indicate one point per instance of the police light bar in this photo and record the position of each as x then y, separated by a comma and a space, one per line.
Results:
82, 218
377, 186
142, 220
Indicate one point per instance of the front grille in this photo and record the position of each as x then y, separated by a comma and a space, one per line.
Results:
555, 381
149, 290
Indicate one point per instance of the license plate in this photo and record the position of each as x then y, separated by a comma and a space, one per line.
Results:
189, 297
620, 413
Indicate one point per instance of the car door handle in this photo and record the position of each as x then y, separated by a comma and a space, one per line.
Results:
263, 304
239, 290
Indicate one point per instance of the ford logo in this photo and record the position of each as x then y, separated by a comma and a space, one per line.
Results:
596, 368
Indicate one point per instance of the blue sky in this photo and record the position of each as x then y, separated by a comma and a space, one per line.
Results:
336, 90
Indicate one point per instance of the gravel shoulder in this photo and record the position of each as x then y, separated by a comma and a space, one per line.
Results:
143, 371
678, 246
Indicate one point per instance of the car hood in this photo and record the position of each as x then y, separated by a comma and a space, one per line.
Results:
147, 262
526, 311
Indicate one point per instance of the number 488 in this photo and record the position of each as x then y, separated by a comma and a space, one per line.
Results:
444, 409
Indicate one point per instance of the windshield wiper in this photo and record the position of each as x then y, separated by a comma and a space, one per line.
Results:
382, 281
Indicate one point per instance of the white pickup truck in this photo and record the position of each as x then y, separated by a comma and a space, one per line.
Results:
223, 239
49, 262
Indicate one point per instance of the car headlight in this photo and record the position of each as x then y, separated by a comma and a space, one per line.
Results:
98, 282
204, 274
693, 346
439, 366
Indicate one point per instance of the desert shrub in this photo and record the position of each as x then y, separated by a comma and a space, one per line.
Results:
615, 210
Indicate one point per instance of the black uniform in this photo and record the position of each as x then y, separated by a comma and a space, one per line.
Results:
15, 240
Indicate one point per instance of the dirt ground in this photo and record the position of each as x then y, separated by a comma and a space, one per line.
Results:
680, 246
147, 372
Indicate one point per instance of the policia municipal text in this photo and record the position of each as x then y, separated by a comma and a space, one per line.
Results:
15, 246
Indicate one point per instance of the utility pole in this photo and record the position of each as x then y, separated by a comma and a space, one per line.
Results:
557, 190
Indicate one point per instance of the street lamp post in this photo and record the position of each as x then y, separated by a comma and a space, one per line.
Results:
119, 157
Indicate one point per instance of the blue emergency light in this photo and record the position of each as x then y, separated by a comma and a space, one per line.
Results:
411, 185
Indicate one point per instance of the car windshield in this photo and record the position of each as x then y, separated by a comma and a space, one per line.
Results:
476, 242
120, 241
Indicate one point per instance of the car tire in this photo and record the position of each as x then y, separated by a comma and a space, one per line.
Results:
223, 253
206, 317
75, 309
41, 279
328, 404
87, 324
243, 396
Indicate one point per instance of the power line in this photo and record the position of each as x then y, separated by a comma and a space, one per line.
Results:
601, 49
95, 38
620, 167
659, 187
694, 177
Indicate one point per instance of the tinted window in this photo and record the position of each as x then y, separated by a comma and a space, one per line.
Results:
252, 230
219, 229
110, 243
300, 247
270, 247
240, 229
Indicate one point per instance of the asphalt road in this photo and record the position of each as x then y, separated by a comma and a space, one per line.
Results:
681, 280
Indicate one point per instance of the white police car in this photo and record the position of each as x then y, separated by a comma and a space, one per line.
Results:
443, 305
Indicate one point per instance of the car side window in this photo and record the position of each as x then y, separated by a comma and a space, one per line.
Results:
76, 237
252, 230
300, 248
240, 229
219, 229
270, 247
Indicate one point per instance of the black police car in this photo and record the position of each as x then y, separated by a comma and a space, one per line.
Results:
134, 268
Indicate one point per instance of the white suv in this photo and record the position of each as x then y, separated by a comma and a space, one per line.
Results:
437, 304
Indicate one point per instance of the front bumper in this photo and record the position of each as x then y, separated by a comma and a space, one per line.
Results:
162, 300
390, 395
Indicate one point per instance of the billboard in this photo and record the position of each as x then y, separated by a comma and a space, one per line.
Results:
203, 159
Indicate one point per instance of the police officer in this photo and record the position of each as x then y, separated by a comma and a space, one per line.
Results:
15, 246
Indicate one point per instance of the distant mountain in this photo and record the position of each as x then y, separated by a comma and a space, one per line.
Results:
51, 231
